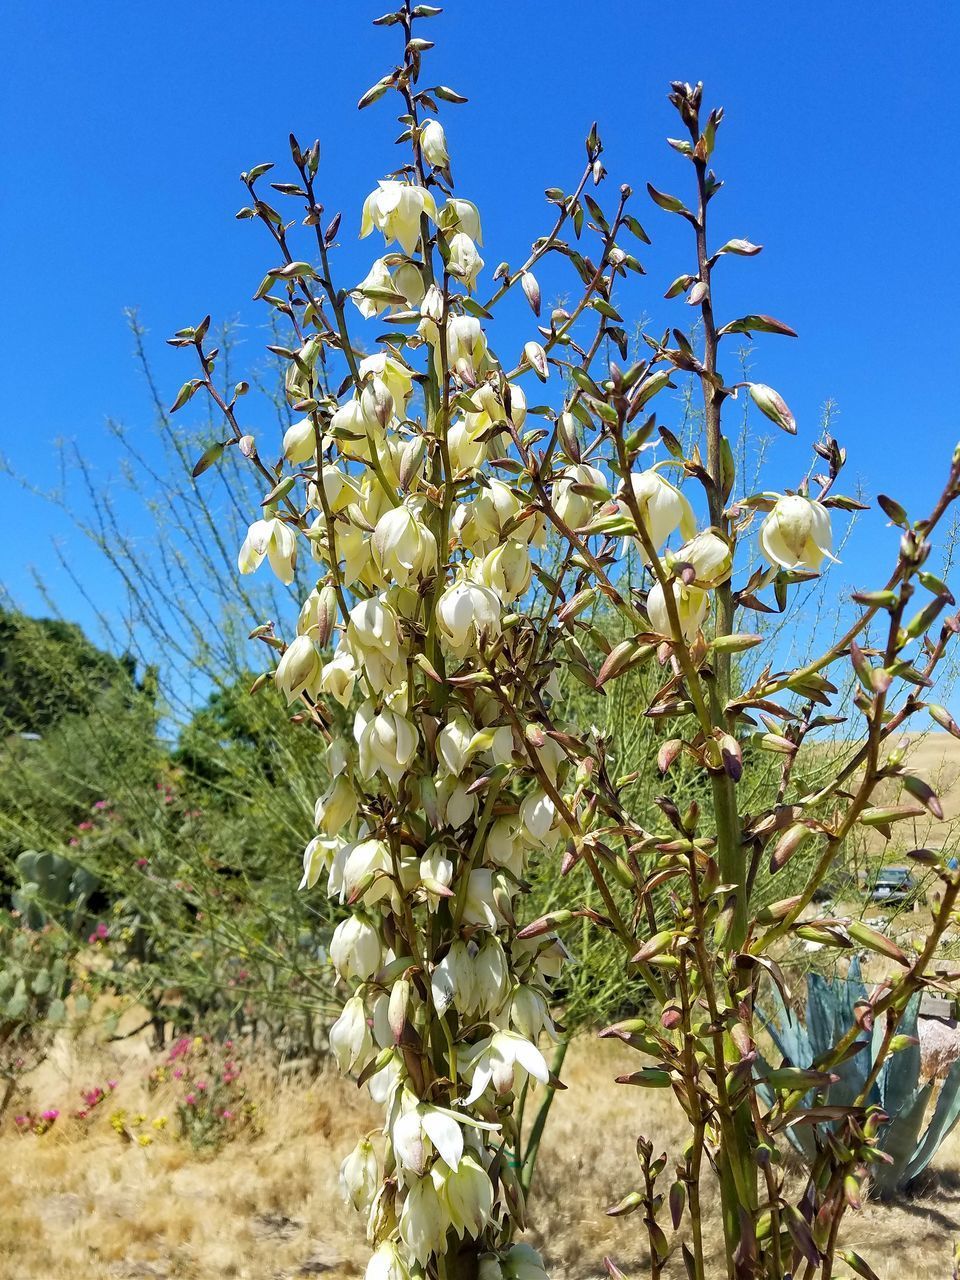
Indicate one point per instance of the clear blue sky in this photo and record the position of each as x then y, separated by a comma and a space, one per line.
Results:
124, 127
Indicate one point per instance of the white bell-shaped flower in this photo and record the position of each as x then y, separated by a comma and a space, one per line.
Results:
692, 604
464, 263
338, 677
797, 534
356, 949
424, 1220
454, 980
350, 1037
403, 547
273, 540
663, 508
387, 741
576, 509
504, 1060
538, 814
461, 215
300, 442
395, 209
710, 556
479, 906
318, 856
394, 374
490, 969
421, 1129
387, 1263
468, 612
336, 808
299, 669
436, 875
467, 1194
433, 144
360, 1176
372, 640
507, 570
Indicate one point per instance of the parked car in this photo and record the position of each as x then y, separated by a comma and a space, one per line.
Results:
890, 884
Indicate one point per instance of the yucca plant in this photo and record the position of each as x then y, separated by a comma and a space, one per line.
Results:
897, 1090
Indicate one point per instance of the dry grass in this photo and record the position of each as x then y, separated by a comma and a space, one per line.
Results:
80, 1203
87, 1205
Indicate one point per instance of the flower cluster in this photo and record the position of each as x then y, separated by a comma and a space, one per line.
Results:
211, 1101
428, 516
464, 542
37, 1124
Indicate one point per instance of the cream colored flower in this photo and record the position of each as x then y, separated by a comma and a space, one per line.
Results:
467, 1194
372, 640
339, 676
360, 1176
395, 209
336, 808
350, 1037
663, 508
464, 262
797, 534
300, 442
423, 1221
504, 1060
403, 547
433, 144
507, 570
575, 509
710, 556
468, 612
356, 949
387, 741
396, 377
461, 215
370, 297
273, 540
299, 670
691, 609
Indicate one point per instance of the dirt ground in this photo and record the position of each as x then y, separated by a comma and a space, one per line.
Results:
80, 1202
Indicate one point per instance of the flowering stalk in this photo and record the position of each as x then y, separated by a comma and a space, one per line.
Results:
464, 559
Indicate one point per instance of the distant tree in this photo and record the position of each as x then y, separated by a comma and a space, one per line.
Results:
49, 669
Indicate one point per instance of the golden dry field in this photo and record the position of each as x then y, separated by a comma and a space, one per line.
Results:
82, 1202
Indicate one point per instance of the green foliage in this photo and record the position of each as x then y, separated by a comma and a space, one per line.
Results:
897, 1090
36, 975
49, 669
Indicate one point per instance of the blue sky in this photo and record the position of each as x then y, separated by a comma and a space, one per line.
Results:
124, 127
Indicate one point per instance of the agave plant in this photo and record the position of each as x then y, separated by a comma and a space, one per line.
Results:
898, 1089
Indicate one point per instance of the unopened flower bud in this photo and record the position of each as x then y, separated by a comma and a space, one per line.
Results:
536, 358
530, 287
